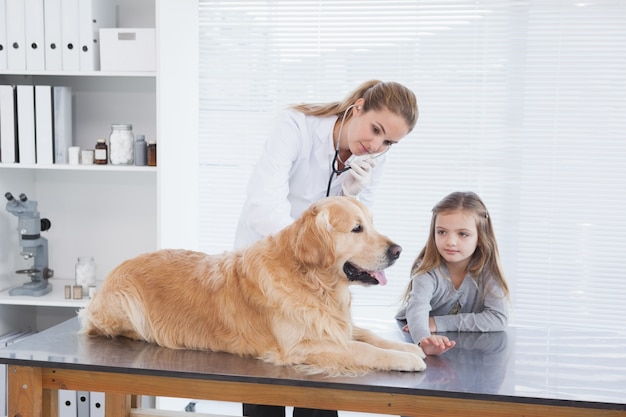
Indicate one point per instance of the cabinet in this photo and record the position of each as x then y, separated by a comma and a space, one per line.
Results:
108, 212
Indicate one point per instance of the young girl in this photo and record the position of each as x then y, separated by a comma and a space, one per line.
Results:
457, 283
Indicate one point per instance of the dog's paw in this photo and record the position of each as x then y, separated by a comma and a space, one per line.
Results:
415, 363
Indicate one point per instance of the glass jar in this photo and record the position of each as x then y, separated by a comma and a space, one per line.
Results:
85, 272
121, 144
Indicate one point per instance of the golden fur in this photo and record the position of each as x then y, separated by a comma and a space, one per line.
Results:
284, 299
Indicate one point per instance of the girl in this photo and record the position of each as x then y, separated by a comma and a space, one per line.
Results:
457, 282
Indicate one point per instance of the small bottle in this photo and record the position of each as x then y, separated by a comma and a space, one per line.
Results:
85, 271
152, 154
141, 150
101, 154
121, 144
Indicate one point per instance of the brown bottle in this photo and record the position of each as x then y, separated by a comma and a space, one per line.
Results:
101, 154
152, 154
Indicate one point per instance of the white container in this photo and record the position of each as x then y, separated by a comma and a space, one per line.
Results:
127, 49
121, 144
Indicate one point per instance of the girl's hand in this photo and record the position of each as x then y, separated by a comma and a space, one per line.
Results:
436, 345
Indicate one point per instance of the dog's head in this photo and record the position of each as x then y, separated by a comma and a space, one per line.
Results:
338, 232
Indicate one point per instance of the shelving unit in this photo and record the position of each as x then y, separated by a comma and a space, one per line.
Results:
105, 211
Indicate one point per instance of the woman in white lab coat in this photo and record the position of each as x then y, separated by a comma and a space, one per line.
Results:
309, 148
318, 150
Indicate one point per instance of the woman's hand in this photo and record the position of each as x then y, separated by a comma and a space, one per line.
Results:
436, 345
359, 176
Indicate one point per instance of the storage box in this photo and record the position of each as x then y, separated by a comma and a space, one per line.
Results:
127, 49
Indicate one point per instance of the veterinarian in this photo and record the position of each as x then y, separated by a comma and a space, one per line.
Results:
457, 281
319, 150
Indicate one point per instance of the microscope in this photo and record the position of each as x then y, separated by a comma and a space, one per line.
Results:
33, 245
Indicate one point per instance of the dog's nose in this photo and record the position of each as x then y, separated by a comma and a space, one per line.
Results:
394, 251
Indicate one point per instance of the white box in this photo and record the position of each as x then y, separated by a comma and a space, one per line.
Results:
124, 49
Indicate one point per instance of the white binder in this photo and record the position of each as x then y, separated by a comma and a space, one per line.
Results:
16, 36
3, 35
93, 15
70, 35
34, 31
82, 403
96, 404
62, 110
67, 403
26, 124
44, 135
8, 145
52, 35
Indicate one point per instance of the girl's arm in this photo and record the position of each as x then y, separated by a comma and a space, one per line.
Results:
418, 306
492, 318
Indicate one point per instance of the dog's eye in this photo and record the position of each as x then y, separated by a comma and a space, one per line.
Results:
357, 229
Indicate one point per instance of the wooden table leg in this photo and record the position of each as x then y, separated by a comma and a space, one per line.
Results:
25, 391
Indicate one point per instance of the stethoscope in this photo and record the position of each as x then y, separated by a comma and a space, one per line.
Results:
335, 170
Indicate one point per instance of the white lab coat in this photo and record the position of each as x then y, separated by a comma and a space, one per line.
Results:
291, 174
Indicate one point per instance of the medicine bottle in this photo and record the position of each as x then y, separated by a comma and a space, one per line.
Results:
152, 153
121, 144
141, 150
101, 154
85, 271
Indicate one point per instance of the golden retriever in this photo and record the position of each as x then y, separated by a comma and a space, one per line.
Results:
284, 299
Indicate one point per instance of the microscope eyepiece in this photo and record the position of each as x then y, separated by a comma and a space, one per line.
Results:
23, 198
9, 196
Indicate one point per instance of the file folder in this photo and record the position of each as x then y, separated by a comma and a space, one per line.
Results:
16, 36
82, 403
69, 35
67, 403
62, 110
44, 135
34, 32
3, 35
96, 404
26, 124
52, 35
8, 139
93, 15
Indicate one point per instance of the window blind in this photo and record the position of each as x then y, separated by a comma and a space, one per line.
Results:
522, 102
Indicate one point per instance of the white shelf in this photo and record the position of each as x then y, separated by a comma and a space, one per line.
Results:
56, 298
139, 74
80, 167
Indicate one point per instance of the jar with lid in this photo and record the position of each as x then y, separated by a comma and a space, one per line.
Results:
101, 153
121, 144
85, 271
152, 153
140, 150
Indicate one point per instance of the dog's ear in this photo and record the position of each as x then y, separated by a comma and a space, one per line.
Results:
314, 244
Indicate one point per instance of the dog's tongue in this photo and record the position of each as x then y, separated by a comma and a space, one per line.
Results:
380, 277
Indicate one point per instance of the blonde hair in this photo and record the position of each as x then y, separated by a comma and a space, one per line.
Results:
486, 257
377, 95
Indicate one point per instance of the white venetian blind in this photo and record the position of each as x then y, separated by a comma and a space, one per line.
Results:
521, 102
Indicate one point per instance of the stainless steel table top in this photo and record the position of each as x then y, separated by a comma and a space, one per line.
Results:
526, 365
